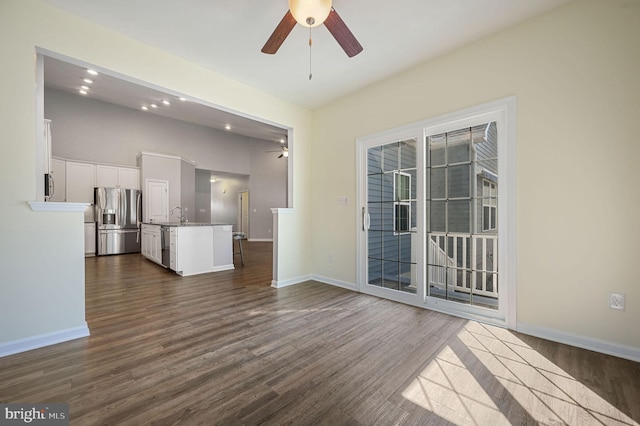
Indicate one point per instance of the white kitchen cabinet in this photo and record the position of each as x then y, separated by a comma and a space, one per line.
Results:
198, 249
106, 176
173, 249
79, 182
58, 171
117, 177
90, 239
128, 178
151, 242
193, 249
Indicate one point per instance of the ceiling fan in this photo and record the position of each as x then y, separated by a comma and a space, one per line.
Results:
312, 13
284, 152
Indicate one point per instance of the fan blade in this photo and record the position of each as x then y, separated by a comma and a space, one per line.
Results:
279, 34
342, 34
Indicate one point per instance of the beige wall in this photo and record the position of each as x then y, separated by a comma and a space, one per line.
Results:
574, 72
41, 254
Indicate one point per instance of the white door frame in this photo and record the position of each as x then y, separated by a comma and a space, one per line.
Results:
242, 202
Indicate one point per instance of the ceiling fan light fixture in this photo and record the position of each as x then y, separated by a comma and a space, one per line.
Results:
310, 13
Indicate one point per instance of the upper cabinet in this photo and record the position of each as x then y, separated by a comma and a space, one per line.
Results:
80, 181
106, 176
128, 178
75, 181
114, 177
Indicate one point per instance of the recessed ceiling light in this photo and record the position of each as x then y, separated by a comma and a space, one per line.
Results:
88, 80
82, 92
92, 72
144, 108
228, 127
154, 106
166, 102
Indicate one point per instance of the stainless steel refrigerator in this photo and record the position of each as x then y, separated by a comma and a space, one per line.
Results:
118, 217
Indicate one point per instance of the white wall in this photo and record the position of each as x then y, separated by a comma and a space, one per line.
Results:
224, 198
265, 194
188, 189
574, 72
203, 196
41, 253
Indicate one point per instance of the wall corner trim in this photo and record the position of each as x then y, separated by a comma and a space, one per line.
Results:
579, 341
42, 340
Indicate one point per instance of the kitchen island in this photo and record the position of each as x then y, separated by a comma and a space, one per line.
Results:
189, 248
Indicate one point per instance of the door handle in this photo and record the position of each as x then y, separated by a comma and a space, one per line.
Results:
366, 220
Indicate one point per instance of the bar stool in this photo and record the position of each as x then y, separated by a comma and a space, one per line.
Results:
239, 236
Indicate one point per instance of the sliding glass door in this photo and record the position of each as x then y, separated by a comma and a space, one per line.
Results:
434, 217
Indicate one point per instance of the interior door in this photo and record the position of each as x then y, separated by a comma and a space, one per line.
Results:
157, 201
390, 219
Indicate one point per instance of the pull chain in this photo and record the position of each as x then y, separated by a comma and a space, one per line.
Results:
310, 44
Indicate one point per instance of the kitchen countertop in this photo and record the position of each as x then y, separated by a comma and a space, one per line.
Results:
187, 224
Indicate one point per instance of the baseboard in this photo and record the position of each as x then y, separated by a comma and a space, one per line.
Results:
290, 281
42, 340
334, 282
219, 268
260, 240
584, 342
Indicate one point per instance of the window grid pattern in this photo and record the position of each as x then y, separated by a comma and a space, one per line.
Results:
391, 180
460, 251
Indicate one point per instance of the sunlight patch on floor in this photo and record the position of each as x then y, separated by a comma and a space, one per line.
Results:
489, 376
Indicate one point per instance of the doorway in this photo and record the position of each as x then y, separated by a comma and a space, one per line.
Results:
243, 212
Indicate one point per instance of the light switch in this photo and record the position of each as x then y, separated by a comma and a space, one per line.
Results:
343, 200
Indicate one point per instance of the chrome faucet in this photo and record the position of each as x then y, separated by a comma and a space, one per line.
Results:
182, 218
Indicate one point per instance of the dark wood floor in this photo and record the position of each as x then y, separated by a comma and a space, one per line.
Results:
226, 348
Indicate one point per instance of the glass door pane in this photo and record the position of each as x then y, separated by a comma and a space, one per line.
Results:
462, 200
391, 208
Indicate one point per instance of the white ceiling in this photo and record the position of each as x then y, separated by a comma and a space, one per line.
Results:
226, 36
67, 75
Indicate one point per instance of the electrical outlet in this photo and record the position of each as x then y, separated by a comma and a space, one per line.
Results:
616, 301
